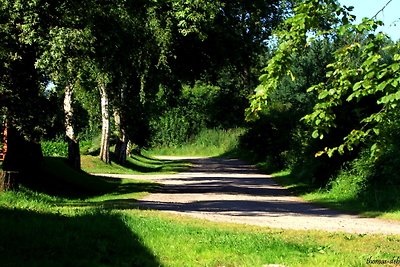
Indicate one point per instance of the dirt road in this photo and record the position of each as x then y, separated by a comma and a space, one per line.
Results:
229, 190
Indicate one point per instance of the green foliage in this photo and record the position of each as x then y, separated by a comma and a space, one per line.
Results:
374, 77
191, 15
365, 185
342, 75
208, 142
292, 38
351, 108
55, 149
278, 137
60, 148
171, 129
194, 112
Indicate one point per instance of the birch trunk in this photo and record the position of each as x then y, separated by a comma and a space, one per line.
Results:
74, 157
105, 129
122, 138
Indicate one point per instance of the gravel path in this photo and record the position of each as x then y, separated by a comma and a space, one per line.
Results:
228, 190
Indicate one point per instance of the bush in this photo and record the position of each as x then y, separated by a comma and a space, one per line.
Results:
54, 148
220, 139
178, 125
171, 129
209, 142
60, 148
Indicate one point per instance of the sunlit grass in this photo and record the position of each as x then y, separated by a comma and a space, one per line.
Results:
95, 233
106, 228
209, 142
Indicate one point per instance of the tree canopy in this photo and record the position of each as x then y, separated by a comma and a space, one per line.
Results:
373, 75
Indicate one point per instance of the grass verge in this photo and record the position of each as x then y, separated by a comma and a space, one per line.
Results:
331, 199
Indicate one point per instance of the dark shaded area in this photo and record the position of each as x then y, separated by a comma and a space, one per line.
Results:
37, 239
18, 150
222, 165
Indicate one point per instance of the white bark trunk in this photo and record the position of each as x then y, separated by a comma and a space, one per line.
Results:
105, 132
74, 157
68, 113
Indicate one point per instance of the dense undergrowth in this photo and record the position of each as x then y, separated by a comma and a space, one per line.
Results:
208, 142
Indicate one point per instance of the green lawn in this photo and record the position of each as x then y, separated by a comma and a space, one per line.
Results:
103, 227
71, 218
45, 231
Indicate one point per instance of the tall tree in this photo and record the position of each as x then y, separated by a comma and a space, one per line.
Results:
21, 85
65, 53
228, 52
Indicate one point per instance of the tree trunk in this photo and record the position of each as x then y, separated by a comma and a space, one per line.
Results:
9, 180
122, 138
21, 160
12, 165
105, 131
74, 157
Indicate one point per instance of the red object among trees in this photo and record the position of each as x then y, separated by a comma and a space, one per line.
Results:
3, 148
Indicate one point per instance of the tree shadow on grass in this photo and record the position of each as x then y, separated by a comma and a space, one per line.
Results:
30, 238
57, 178
145, 164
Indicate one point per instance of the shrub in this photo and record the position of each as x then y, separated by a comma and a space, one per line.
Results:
195, 110
171, 129
55, 148
60, 148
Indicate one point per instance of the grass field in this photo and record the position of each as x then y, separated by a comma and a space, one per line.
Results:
64, 217
103, 227
43, 230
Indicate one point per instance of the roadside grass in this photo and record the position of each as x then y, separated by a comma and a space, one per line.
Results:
343, 201
43, 230
136, 164
101, 226
209, 142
